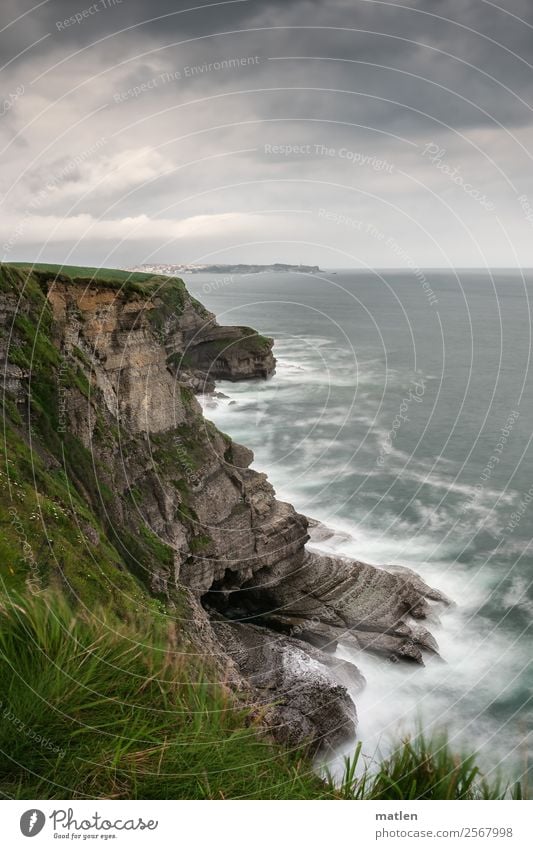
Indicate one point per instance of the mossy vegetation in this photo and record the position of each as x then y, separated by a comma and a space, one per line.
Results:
51, 537
180, 361
169, 301
200, 543
218, 357
187, 396
185, 448
255, 341
162, 552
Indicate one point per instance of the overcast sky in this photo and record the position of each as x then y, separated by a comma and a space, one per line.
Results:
336, 132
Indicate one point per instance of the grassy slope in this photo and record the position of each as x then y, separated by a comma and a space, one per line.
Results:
93, 708
107, 710
86, 271
95, 698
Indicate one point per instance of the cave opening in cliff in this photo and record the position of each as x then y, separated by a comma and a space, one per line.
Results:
226, 598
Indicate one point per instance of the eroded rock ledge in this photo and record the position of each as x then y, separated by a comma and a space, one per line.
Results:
304, 692
327, 600
188, 515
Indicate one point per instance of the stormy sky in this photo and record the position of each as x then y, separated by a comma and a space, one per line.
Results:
337, 132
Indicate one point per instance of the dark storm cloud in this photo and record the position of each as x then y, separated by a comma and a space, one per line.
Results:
429, 46
361, 78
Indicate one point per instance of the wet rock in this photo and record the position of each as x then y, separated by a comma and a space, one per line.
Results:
329, 597
304, 690
415, 579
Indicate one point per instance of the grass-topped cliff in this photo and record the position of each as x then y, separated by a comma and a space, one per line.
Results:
123, 510
65, 504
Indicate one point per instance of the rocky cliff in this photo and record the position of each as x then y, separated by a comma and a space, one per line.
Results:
100, 377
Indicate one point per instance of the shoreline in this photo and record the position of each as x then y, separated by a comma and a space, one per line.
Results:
398, 699
328, 539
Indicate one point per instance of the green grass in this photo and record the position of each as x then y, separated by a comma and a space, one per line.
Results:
116, 274
91, 707
424, 768
121, 712
170, 292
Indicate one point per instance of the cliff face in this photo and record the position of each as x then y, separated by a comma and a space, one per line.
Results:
143, 354
100, 381
144, 347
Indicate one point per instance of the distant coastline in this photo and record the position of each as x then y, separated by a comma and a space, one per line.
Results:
240, 268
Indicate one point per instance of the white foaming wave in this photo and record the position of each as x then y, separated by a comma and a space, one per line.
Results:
518, 547
516, 596
303, 343
288, 367
362, 543
321, 375
481, 668
421, 472
434, 560
320, 358
316, 461
465, 523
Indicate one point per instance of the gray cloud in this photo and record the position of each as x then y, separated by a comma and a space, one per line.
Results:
250, 128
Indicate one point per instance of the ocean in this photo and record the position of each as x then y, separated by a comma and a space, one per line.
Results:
401, 416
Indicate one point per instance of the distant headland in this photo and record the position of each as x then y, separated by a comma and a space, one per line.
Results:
240, 268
